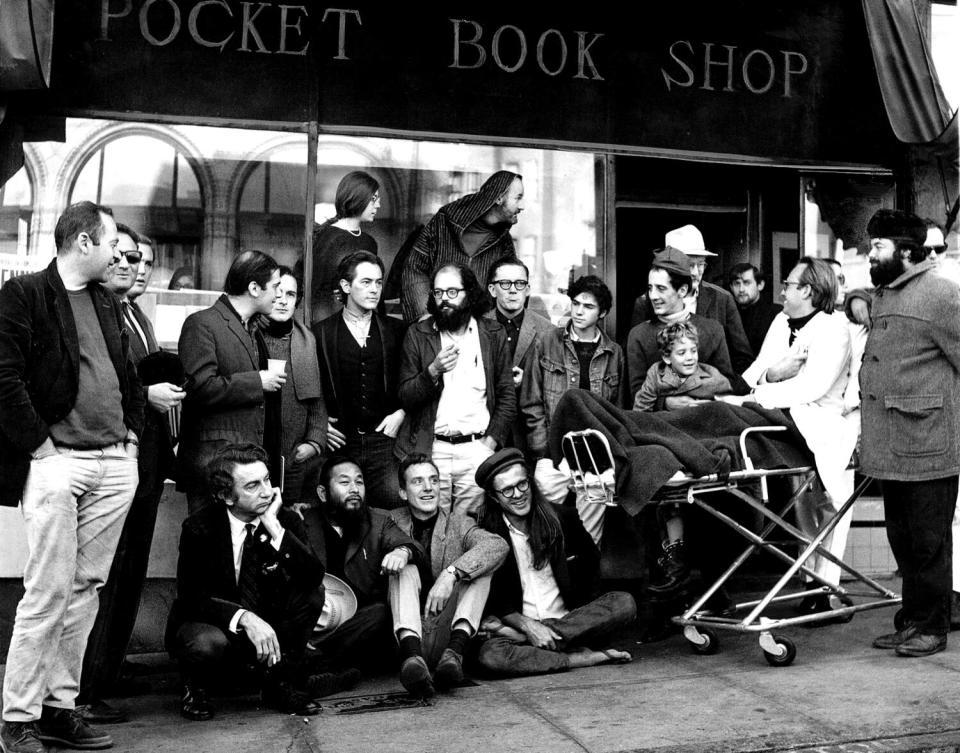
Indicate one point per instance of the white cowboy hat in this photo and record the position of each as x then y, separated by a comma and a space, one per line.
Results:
339, 604
687, 239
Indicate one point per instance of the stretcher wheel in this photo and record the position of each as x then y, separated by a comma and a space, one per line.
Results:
787, 652
704, 642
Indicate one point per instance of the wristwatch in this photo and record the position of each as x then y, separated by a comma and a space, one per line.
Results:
453, 571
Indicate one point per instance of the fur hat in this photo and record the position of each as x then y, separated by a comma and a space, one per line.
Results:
897, 225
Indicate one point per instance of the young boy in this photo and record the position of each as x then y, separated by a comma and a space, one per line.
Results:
680, 372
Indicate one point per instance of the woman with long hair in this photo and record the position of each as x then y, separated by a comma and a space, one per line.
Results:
357, 202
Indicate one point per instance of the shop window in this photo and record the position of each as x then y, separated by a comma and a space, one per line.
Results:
555, 235
16, 209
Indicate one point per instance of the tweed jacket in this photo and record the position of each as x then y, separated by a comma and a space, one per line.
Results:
458, 540
40, 367
224, 403
377, 536
207, 589
910, 379
420, 395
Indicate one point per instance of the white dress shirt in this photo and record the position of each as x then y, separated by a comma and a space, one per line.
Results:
238, 534
541, 594
463, 402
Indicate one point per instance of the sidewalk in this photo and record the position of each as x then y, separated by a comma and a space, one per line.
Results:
840, 695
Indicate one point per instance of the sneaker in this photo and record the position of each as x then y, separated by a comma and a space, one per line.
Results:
449, 671
922, 644
20, 737
415, 677
65, 727
101, 712
892, 640
286, 699
195, 705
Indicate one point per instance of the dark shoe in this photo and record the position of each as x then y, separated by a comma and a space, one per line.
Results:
719, 605
65, 727
812, 604
415, 677
820, 604
892, 640
327, 683
449, 671
101, 712
286, 699
195, 705
20, 737
676, 572
922, 644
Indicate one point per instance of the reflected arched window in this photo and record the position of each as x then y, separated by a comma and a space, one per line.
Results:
271, 204
151, 186
16, 209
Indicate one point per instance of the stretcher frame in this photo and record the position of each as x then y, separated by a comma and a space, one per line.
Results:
581, 450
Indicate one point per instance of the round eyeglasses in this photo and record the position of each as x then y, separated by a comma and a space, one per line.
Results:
511, 492
507, 284
451, 293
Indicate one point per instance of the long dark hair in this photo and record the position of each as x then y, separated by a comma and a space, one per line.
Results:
544, 533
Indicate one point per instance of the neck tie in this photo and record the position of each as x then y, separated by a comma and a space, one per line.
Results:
134, 326
248, 585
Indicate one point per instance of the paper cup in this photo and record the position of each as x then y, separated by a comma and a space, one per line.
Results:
276, 365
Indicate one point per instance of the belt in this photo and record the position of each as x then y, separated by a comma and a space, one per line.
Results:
458, 438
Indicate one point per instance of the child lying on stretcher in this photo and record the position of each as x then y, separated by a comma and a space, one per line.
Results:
680, 371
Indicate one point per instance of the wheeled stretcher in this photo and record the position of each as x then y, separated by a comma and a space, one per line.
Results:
593, 478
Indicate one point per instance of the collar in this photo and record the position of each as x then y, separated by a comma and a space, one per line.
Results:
914, 271
512, 528
576, 339
237, 526
351, 318
517, 320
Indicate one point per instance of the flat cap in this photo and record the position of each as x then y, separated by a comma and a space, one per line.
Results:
672, 260
497, 462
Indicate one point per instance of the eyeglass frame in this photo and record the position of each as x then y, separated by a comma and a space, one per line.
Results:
127, 254
450, 293
785, 285
519, 285
514, 488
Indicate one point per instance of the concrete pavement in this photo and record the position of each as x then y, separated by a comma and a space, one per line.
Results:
840, 695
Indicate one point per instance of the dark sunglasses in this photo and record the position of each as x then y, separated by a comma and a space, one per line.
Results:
132, 257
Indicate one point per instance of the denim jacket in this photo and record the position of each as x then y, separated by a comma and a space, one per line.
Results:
556, 369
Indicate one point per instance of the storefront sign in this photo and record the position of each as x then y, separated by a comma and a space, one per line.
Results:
768, 78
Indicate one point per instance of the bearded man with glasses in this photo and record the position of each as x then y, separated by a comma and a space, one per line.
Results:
543, 613
456, 386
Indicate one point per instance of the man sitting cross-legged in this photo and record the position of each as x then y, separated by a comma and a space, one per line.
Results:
459, 558
247, 588
540, 614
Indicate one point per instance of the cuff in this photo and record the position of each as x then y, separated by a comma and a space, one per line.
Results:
235, 621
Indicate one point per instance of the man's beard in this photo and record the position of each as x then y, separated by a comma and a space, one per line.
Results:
885, 271
348, 518
452, 318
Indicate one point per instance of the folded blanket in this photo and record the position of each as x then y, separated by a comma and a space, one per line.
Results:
649, 448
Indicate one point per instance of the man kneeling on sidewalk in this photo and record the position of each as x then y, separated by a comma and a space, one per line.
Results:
459, 559
248, 588
540, 614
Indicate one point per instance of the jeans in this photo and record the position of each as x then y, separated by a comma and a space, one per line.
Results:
587, 626
374, 452
74, 505
919, 515
458, 465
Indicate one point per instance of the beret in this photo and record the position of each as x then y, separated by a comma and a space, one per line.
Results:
497, 462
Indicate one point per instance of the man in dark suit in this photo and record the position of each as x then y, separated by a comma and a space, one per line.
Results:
365, 548
120, 597
544, 613
225, 361
509, 286
359, 352
71, 414
248, 589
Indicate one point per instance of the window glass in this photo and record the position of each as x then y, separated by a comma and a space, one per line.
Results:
16, 203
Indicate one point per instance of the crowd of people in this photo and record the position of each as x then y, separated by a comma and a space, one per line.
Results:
367, 493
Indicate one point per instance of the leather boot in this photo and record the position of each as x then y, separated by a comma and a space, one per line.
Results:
676, 572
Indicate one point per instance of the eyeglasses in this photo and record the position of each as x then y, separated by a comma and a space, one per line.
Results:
785, 285
132, 257
937, 249
510, 492
507, 284
451, 293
